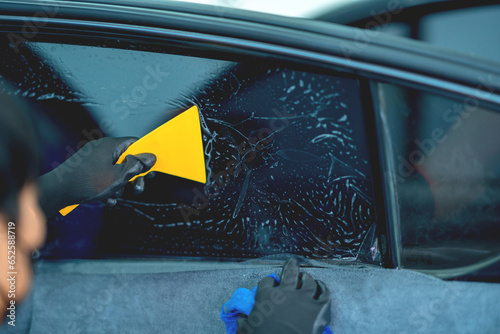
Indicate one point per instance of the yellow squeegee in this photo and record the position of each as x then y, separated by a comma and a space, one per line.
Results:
178, 147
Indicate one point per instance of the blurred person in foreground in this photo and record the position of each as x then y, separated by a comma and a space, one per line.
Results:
26, 198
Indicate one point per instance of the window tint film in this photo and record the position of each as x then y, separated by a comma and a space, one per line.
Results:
285, 151
447, 164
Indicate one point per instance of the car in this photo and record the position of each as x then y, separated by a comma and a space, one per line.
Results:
370, 156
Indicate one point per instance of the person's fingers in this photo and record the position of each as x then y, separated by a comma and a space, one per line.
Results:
138, 185
130, 167
147, 159
119, 192
266, 282
240, 321
290, 274
322, 292
150, 175
110, 201
134, 165
120, 145
307, 284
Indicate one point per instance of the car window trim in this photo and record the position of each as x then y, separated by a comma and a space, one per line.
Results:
383, 55
484, 94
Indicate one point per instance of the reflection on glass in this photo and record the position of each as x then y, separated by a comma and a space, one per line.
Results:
448, 176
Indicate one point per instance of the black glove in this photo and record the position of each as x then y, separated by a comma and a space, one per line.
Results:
91, 175
298, 304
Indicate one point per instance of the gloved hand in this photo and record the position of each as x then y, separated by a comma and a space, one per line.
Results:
91, 175
298, 304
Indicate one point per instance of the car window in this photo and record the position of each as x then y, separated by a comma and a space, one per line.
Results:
447, 171
463, 30
285, 148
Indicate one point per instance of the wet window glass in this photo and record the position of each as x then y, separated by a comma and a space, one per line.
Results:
447, 165
285, 148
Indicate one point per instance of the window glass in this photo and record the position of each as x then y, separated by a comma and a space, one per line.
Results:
285, 150
127, 92
447, 164
465, 30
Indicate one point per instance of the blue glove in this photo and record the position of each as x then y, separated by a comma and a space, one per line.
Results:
242, 302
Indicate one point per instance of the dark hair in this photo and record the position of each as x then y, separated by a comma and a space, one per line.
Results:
19, 158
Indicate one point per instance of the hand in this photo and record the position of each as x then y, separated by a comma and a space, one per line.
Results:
140, 183
298, 304
91, 175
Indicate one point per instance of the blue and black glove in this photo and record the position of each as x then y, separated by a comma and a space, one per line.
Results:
298, 304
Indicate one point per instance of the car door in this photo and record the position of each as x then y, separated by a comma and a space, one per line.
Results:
309, 131
277, 135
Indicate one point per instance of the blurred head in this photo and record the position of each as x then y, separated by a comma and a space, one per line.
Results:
19, 206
